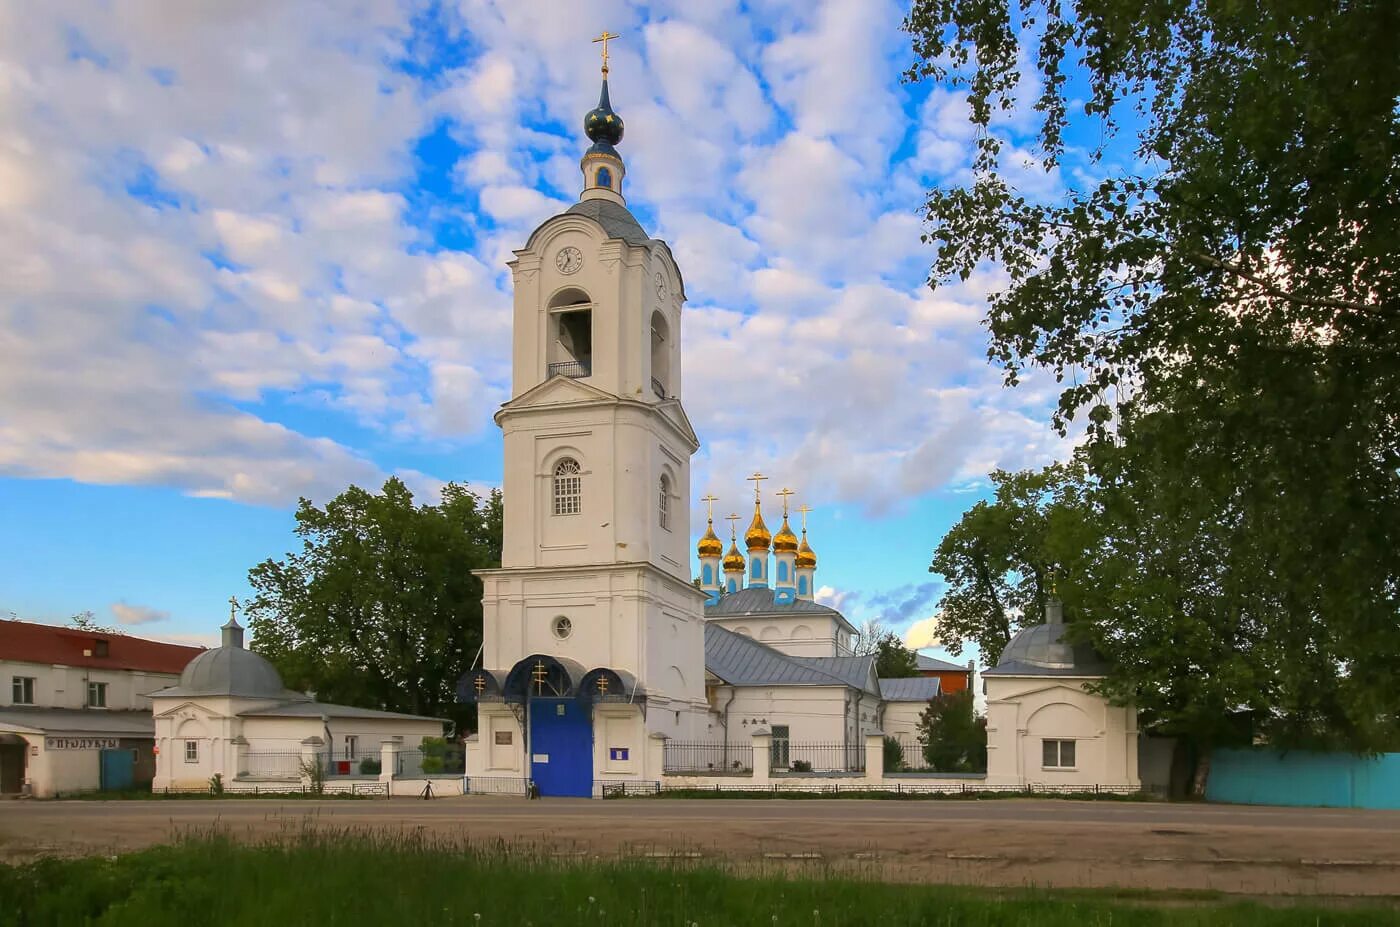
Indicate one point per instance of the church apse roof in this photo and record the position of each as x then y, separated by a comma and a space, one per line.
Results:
759, 601
742, 661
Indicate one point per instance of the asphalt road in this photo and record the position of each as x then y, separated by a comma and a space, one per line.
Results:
1003, 842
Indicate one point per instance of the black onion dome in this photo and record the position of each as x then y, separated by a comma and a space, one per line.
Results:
602, 125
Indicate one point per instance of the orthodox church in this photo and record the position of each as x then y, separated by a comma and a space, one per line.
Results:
599, 651
598, 646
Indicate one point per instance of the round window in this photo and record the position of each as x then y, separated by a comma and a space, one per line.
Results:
563, 627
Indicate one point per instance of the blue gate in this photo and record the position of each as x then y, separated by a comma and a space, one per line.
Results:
561, 747
118, 770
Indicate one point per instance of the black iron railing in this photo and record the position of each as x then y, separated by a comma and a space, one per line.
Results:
573, 369
710, 758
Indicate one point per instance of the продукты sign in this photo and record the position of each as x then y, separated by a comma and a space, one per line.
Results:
80, 743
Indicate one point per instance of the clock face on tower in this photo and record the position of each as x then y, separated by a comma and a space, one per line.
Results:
568, 260
660, 282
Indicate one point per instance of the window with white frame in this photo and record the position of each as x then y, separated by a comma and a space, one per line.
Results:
663, 506
191, 751
1057, 754
97, 695
568, 487
22, 690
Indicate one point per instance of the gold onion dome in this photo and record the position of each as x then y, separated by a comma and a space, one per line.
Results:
758, 536
733, 561
709, 545
784, 542
806, 557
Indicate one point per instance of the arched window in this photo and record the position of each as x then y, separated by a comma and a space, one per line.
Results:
709, 575
663, 506
801, 585
782, 571
604, 177
568, 487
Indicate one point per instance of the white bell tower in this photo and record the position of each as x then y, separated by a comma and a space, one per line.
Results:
593, 631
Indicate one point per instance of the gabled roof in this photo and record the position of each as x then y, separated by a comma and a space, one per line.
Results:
28, 642
758, 602
742, 661
913, 689
936, 665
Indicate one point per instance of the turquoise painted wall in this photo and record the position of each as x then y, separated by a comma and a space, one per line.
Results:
1328, 780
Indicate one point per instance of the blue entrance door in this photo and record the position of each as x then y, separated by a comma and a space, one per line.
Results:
561, 747
118, 769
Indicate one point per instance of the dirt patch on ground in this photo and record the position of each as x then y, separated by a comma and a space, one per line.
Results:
1053, 844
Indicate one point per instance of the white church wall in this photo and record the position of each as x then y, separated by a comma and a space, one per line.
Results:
812, 714
901, 719
1024, 712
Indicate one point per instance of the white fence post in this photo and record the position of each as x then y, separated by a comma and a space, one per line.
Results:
875, 756
762, 756
388, 763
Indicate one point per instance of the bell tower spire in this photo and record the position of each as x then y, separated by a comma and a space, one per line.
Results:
602, 166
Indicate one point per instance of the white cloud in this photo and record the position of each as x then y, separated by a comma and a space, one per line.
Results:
137, 614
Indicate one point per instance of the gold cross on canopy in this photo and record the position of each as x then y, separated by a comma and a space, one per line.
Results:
733, 525
479, 684
540, 674
604, 39
784, 493
804, 509
710, 501
757, 480
602, 685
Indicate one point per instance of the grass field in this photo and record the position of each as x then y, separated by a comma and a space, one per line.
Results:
328, 879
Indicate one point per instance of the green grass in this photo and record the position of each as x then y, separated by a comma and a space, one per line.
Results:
328, 879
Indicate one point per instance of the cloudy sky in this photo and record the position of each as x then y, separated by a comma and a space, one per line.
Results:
254, 251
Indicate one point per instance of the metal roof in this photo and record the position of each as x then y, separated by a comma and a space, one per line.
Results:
743, 661
1043, 650
616, 220
30, 642
913, 689
758, 601
936, 665
79, 721
321, 709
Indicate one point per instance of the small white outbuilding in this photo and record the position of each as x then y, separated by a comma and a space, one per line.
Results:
1044, 726
230, 715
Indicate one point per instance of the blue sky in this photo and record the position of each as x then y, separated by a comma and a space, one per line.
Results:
255, 251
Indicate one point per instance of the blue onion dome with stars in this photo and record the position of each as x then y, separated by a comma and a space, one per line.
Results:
602, 125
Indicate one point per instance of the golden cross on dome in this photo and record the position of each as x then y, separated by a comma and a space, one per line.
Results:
733, 525
757, 480
785, 492
710, 501
804, 509
604, 39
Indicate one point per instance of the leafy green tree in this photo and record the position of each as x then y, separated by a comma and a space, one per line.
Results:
954, 737
892, 659
1220, 299
1002, 557
381, 607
